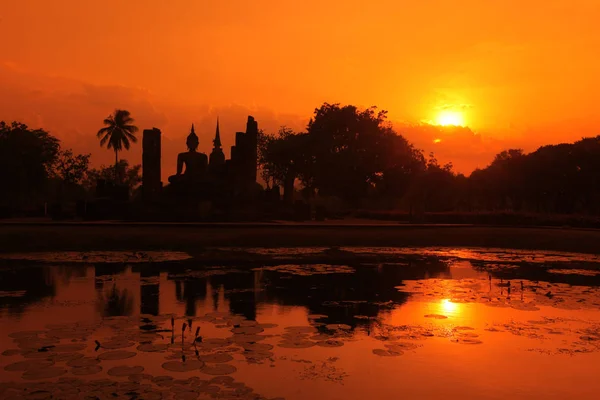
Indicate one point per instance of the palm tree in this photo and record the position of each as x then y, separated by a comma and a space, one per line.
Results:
118, 132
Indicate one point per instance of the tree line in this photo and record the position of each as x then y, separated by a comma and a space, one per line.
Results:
355, 156
35, 169
349, 157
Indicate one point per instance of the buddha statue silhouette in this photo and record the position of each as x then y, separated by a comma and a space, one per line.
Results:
196, 164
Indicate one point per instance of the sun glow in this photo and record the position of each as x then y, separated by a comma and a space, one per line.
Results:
449, 307
450, 118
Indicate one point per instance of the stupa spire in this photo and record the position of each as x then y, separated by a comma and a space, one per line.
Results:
217, 140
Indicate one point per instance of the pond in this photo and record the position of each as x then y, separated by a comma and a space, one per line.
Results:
384, 324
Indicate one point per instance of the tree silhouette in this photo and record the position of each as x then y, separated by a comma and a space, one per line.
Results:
26, 160
130, 176
352, 149
283, 158
118, 132
71, 169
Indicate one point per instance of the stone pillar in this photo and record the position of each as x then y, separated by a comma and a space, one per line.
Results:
151, 179
252, 148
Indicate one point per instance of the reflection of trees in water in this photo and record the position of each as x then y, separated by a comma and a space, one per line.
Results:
367, 292
65, 273
149, 292
239, 291
540, 272
190, 291
38, 283
115, 302
101, 271
238, 288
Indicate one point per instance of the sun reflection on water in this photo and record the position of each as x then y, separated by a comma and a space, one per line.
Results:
447, 307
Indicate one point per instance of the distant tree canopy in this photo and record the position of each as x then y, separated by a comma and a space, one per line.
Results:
26, 160
284, 158
122, 173
563, 178
71, 168
34, 170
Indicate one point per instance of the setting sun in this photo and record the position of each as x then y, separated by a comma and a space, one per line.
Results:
449, 117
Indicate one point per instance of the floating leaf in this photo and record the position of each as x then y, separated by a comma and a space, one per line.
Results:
28, 365
91, 370
178, 366
218, 369
125, 370
216, 358
152, 347
68, 348
333, 327
436, 316
83, 362
43, 373
117, 344
247, 330
330, 343
65, 357
116, 355
296, 344
387, 353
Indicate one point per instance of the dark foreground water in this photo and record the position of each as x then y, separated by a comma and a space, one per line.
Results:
430, 323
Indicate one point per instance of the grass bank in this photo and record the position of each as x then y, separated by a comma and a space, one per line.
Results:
194, 237
486, 218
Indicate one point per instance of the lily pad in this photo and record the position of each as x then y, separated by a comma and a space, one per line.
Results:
91, 370
83, 362
12, 352
125, 370
117, 344
268, 326
65, 357
334, 327
247, 330
387, 353
25, 334
116, 355
163, 380
257, 346
222, 380
330, 343
296, 344
43, 373
35, 354
69, 348
179, 366
436, 316
152, 347
186, 395
468, 341
300, 329
28, 365
218, 369
401, 346
239, 339
216, 358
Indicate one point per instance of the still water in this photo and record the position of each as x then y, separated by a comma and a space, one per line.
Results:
397, 323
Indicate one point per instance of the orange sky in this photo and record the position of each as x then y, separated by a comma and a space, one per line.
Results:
524, 73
